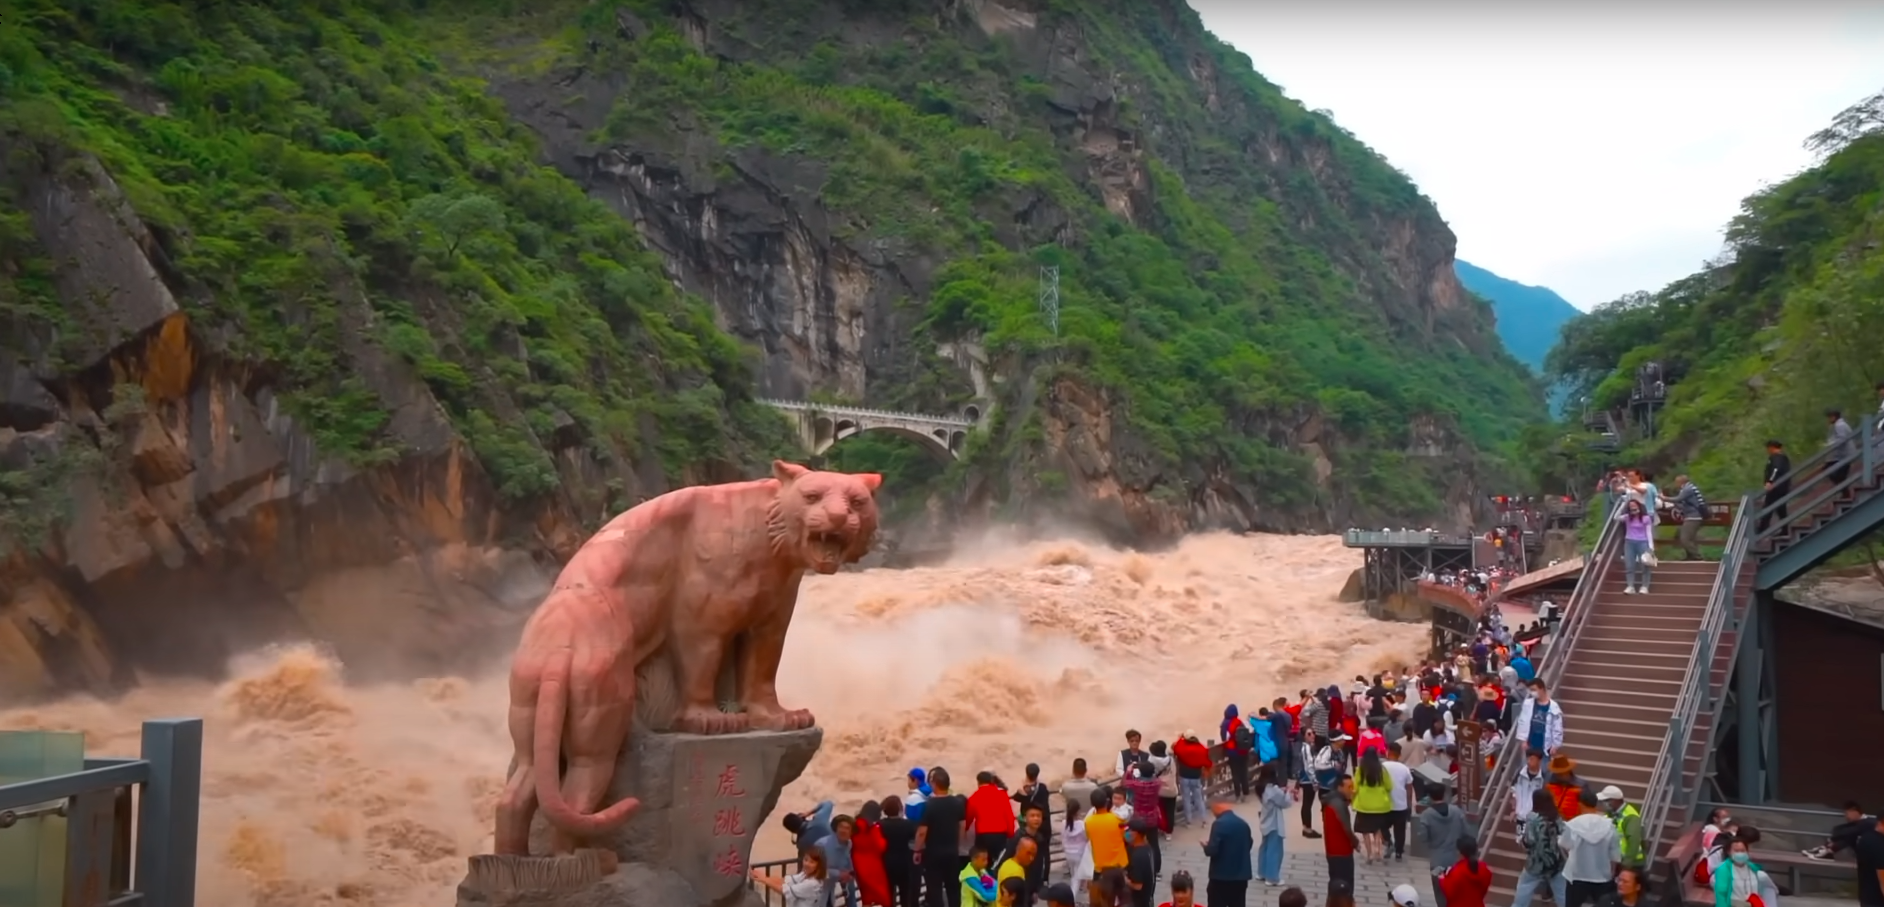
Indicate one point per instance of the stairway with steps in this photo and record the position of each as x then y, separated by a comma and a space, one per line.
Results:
1621, 682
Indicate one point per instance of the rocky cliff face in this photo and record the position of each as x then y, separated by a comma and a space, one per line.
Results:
183, 517
490, 366
758, 232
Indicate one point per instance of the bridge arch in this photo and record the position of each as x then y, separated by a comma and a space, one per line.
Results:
827, 431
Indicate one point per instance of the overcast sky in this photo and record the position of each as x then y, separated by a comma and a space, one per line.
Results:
1594, 148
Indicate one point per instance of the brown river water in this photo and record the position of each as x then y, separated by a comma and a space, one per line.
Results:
321, 792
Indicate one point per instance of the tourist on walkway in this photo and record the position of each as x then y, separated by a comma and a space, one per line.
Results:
1238, 740
840, 868
1033, 830
804, 888
1228, 849
867, 850
1033, 793
1638, 530
1105, 840
1543, 852
1078, 789
1842, 442
939, 841
974, 885
1870, 853
1466, 882
1166, 770
1060, 895
1778, 484
1691, 509
1339, 841
1141, 788
1566, 789
1073, 843
1193, 766
1373, 805
1130, 755
1019, 867
1531, 779
1442, 828
1628, 891
988, 814
1628, 822
1183, 891
899, 866
918, 793
1539, 720
1401, 776
1273, 797
1595, 853
1141, 865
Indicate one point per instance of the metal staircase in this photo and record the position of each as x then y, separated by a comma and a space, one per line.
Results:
1824, 513
1641, 679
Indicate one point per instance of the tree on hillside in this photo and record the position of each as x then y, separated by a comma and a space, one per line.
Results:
1851, 124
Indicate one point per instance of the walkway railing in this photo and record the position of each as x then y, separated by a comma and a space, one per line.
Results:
802, 406
1217, 784
101, 835
1669, 780
1859, 469
1363, 538
1557, 649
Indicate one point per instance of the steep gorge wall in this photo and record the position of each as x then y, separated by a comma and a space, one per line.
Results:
167, 499
187, 518
839, 311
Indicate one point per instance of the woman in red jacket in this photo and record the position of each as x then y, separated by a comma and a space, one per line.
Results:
867, 847
1467, 882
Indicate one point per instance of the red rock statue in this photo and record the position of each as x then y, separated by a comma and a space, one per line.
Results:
705, 577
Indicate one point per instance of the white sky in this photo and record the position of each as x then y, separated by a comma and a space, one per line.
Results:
1595, 147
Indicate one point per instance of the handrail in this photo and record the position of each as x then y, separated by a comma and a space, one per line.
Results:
1668, 779
864, 411
1559, 644
1866, 461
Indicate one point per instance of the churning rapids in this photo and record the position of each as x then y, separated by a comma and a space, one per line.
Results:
317, 792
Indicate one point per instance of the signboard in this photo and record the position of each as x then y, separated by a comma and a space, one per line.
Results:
1471, 761
717, 814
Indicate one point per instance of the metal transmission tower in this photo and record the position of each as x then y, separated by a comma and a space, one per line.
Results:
1050, 297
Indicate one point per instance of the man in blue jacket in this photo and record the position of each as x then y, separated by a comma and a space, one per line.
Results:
1229, 852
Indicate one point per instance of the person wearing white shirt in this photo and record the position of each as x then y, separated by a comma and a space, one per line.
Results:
1400, 780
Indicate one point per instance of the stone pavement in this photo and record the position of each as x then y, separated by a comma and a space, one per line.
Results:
1303, 866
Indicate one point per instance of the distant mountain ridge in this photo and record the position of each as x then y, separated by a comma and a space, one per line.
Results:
1529, 318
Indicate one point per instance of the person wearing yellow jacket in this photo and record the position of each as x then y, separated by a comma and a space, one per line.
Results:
1628, 822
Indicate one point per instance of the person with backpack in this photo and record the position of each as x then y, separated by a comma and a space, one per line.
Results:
1544, 853
1238, 742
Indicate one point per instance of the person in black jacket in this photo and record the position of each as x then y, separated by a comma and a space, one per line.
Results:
899, 835
1778, 482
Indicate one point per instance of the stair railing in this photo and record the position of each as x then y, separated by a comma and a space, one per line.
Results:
1669, 780
1497, 787
1859, 469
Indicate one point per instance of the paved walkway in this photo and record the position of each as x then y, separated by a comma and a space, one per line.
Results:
1303, 866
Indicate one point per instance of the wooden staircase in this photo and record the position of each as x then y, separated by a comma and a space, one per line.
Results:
1621, 681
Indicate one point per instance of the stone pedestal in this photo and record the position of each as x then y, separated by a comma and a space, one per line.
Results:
690, 844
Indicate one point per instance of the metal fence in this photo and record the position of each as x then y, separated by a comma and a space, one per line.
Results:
116, 808
1216, 785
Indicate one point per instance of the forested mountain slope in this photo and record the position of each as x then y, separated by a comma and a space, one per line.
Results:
292, 293
1530, 319
1782, 326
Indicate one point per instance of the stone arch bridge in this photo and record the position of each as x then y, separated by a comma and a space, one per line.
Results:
820, 426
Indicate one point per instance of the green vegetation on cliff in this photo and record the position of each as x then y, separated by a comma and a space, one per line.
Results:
1781, 327
1217, 295
317, 180
327, 177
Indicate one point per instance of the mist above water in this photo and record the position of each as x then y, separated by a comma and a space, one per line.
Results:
318, 792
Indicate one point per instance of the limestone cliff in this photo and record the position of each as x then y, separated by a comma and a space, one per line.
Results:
306, 332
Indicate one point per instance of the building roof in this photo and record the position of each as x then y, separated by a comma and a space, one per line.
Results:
1562, 571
